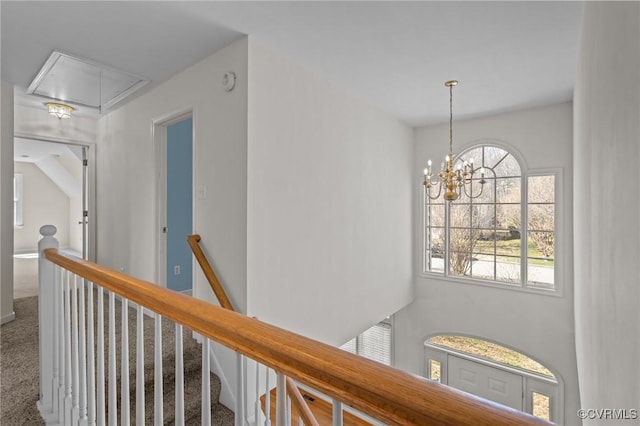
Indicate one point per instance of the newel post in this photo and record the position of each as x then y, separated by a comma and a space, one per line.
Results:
46, 284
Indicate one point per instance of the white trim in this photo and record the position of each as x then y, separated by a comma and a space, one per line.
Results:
159, 139
532, 382
8, 318
559, 235
91, 184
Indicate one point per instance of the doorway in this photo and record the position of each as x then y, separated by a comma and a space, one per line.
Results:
50, 187
174, 142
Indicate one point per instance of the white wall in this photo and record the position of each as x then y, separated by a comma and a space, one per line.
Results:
127, 203
126, 176
44, 204
607, 205
36, 123
329, 217
6, 202
541, 326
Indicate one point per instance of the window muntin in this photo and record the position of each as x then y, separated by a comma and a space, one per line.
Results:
482, 238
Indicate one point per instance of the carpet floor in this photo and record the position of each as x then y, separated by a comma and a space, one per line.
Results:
19, 370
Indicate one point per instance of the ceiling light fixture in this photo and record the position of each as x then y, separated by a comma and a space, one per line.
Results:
59, 110
455, 178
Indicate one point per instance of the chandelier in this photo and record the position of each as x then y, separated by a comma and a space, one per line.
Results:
455, 178
59, 110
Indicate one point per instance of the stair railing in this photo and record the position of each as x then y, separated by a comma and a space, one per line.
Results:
292, 389
384, 393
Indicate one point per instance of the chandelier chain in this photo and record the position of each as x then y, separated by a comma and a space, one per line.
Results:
451, 119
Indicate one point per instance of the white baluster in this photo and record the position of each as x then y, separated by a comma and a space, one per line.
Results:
179, 378
158, 415
140, 366
91, 358
56, 342
337, 413
281, 400
46, 323
61, 345
289, 416
113, 397
206, 383
75, 357
267, 399
82, 352
124, 364
101, 415
67, 348
256, 407
240, 391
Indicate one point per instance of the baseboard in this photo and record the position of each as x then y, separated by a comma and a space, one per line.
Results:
8, 318
188, 292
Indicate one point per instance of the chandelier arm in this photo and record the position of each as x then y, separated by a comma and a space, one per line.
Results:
427, 192
470, 195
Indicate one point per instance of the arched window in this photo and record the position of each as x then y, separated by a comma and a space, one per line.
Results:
483, 238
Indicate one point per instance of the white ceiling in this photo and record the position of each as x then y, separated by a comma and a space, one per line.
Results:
395, 55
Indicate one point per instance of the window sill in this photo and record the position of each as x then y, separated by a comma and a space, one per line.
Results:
491, 284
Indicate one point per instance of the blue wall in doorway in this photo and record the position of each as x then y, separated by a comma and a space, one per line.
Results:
179, 204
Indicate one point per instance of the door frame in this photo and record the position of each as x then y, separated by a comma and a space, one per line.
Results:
159, 136
89, 190
530, 382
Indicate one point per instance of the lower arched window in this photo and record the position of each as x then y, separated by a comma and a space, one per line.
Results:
494, 372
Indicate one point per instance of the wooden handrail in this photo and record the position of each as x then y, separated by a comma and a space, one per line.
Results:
382, 392
217, 288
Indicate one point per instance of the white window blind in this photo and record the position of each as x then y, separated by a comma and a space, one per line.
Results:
374, 343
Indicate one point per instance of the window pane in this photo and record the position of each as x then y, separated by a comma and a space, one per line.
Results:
459, 263
508, 190
486, 244
509, 247
508, 167
460, 215
508, 269
435, 370
541, 245
483, 267
493, 155
488, 191
540, 404
508, 219
541, 217
434, 261
435, 215
474, 154
540, 268
483, 215
541, 189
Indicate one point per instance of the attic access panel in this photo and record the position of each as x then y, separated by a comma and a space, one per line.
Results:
84, 82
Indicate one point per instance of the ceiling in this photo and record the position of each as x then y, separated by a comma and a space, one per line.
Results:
394, 55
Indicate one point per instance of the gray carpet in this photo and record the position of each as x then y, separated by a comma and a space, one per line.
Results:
19, 370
